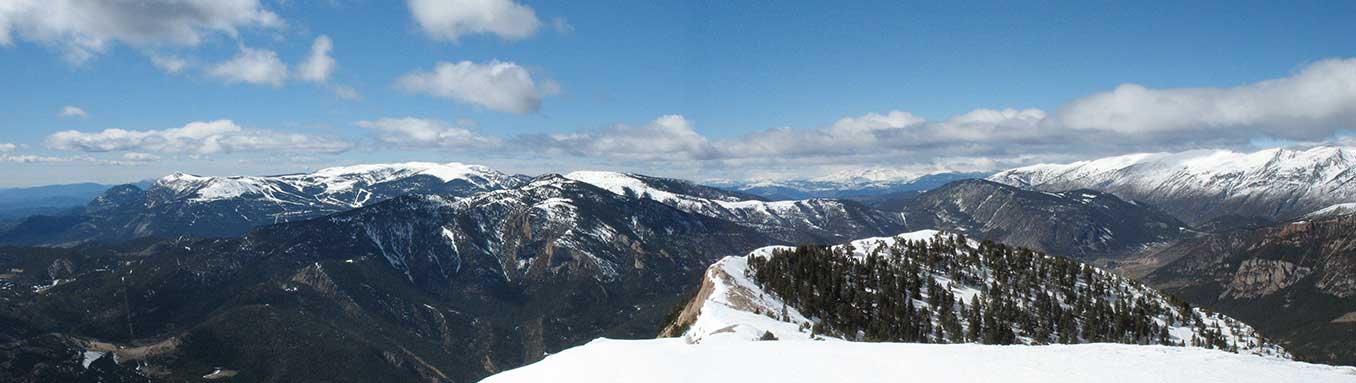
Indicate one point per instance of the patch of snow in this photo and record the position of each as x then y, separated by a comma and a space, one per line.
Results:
90, 357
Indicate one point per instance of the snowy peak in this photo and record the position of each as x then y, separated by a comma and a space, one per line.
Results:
1203, 184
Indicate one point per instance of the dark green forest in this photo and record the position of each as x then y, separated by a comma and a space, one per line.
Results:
913, 291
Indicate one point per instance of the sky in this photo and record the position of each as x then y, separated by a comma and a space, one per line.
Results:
114, 92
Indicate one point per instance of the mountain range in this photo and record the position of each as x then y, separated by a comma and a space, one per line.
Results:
453, 272
186, 205
857, 184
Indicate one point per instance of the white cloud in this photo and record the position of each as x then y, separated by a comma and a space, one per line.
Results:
36, 159
195, 138
85, 28
501, 86
452, 19
169, 64
1312, 103
7, 147
669, 137
319, 65
420, 132
253, 66
72, 111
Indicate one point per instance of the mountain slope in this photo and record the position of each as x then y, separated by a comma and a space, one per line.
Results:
416, 288
1198, 186
1296, 281
182, 204
735, 308
799, 221
1080, 224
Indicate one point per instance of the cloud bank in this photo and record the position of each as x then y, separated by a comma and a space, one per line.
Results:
195, 138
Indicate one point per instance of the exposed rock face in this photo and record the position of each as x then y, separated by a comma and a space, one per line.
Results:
1289, 280
1259, 277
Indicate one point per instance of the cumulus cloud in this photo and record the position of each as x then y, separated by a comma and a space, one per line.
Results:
72, 111
318, 65
1312, 103
83, 29
252, 66
497, 85
452, 19
7, 147
668, 137
428, 133
195, 138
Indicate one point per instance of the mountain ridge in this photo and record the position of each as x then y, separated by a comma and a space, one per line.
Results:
1200, 185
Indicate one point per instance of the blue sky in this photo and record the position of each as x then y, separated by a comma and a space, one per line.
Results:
701, 90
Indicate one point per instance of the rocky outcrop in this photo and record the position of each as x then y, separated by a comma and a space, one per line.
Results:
1259, 277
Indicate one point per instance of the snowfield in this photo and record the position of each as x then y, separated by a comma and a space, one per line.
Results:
673, 360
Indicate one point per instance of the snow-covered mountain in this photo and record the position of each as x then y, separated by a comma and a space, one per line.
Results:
184, 204
343, 187
861, 183
1200, 185
739, 300
420, 287
792, 221
735, 329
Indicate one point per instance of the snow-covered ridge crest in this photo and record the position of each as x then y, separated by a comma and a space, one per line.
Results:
328, 181
732, 307
1203, 184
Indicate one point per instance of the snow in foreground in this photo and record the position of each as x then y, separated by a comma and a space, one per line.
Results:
673, 360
